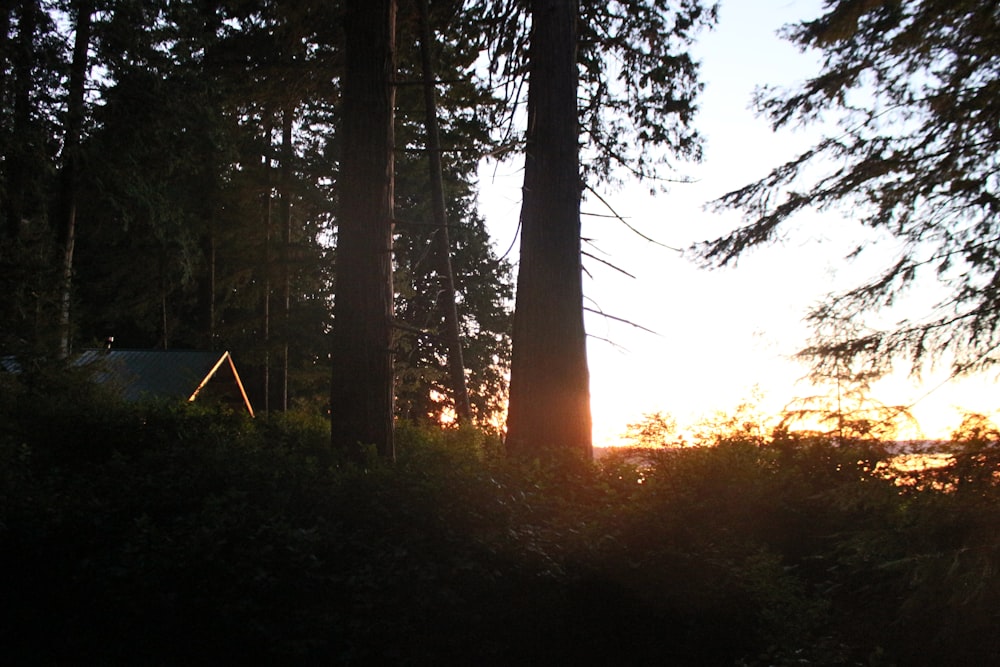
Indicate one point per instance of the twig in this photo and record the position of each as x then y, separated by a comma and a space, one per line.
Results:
621, 319
607, 263
623, 221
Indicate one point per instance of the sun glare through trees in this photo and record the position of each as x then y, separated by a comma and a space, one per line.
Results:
803, 374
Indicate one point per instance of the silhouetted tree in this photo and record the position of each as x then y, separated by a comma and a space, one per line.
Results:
70, 175
426, 333
550, 382
629, 118
362, 386
915, 85
446, 291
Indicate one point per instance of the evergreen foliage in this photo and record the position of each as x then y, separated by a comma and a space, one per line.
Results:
638, 84
913, 87
483, 280
198, 225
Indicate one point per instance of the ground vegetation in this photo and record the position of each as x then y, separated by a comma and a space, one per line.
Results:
166, 534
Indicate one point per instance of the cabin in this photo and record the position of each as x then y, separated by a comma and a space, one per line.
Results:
169, 374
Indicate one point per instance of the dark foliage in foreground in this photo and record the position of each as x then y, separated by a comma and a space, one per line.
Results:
171, 536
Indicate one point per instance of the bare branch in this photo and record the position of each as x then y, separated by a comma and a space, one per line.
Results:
607, 263
621, 319
630, 227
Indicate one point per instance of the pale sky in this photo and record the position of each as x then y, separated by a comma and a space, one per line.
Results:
722, 333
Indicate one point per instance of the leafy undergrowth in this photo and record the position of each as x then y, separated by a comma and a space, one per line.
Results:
164, 535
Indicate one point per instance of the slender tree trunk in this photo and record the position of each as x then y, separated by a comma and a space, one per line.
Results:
71, 164
211, 251
446, 294
11, 225
287, 116
362, 384
207, 296
6, 9
21, 84
266, 300
549, 408
164, 310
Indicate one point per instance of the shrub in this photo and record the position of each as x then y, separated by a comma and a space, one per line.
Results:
168, 534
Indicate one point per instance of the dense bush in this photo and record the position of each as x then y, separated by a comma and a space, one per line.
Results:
168, 535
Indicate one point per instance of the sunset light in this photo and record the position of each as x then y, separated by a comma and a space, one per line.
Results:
720, 335
568, 332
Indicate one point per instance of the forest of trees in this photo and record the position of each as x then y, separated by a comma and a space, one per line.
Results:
171, 177
296, 183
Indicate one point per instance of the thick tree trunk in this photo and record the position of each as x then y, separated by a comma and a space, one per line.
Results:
71, 164
549, 409
362, 386
446, 294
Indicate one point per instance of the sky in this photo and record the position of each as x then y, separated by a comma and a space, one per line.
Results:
722, 336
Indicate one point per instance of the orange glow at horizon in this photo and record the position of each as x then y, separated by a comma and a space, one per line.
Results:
721, 333
935, 416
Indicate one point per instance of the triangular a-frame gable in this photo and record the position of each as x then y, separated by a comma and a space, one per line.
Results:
179, 374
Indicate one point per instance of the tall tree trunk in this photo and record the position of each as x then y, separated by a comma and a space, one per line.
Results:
549, 408
10, 226
21, 85
266, 300
6, 9
71, 164
210, 287
362, 385
164, 310
446, 293
285, 194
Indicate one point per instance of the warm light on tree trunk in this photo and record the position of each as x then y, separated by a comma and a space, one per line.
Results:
549, 410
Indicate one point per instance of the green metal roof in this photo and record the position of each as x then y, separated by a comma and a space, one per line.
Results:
140, 374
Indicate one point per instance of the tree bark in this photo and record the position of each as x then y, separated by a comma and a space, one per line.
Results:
361, 397
70, 175
21, 84
266, 280
285, 195
11, 225
446, 294
6, 9
208, 296
549, 408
